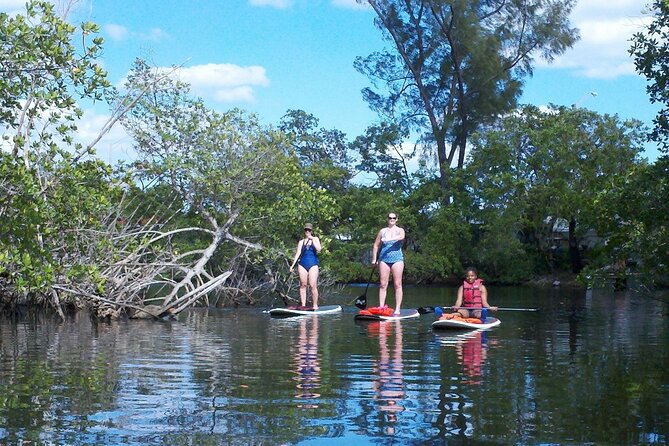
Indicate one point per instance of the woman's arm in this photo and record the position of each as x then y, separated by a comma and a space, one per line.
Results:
317, 243
375, 248
298, 251
458, 301
484, 298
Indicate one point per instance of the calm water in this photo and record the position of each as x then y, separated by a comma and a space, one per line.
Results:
588, 368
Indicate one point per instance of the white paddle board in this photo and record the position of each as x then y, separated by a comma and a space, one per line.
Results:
459, 324
295, 311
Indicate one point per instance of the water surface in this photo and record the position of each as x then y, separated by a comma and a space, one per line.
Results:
588, 368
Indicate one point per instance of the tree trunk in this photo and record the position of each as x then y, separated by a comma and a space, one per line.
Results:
574, 251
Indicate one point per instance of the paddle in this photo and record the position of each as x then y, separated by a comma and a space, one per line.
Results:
426, 310
361, 301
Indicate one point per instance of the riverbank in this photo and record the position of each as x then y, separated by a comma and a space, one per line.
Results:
561, 279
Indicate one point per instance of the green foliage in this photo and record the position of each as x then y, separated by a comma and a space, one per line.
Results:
323, 154
638, 238
43, 75
362, 213
382, 156
52, 198
650, 50
535, 167
435, 253
502, 257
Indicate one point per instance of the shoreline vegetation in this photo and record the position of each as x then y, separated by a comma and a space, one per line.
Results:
209, 211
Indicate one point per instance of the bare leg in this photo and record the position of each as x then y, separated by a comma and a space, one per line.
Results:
304, 278
313, 284
384, 275
463, 313
398, 270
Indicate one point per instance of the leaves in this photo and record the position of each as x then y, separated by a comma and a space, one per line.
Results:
650, 50
535, 167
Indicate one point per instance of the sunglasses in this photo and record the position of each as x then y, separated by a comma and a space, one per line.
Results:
392, 218
307, 230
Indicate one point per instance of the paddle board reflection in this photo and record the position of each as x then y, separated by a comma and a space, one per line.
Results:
389, 383
307, 361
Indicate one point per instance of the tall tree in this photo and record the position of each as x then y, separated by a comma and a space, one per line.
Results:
382, 156
650, 50
322, 153
542, 165
457, 64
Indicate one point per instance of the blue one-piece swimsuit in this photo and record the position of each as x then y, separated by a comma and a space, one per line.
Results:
309, 257
391, 251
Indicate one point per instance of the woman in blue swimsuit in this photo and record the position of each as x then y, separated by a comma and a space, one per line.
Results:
388, 248
306, 255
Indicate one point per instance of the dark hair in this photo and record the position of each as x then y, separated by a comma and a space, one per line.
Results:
471, 269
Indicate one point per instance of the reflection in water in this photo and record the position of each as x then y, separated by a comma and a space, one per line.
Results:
472, 355
471, 349
456, 404
389, 383
307, 361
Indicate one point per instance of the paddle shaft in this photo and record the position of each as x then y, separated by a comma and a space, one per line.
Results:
361, 301
431, 309
498, 308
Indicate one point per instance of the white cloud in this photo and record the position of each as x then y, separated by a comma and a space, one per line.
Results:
13, 7
225, 75
224, 82
281, 4
606, 27
236, 94
155, 35
116, 32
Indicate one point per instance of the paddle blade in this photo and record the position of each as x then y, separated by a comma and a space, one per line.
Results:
425, 310
361, 302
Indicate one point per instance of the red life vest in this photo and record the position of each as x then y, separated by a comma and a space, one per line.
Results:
471, 294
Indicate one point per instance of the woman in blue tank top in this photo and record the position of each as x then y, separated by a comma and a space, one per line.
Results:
306, 256
387, 253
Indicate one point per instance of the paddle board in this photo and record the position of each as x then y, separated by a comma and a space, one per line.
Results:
404, 314
294, 311
459, 324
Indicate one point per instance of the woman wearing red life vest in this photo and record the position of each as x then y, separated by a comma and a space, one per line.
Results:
472, 294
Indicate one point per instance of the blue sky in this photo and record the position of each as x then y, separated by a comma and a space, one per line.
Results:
269, 56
